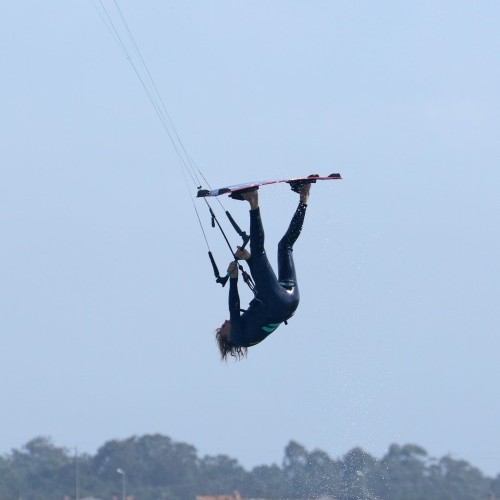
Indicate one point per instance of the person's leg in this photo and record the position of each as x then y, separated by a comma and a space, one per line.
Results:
256, 234
286, 269
262, 271
256, 228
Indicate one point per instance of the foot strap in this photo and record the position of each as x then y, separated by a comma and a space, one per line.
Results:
297, 185
236, 195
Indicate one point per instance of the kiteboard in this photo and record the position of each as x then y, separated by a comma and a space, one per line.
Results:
247, 186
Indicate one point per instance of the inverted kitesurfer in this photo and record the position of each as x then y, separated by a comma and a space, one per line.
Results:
276, 298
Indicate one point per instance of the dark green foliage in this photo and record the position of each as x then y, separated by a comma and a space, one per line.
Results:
402, 473
158, 468
221, 475
37, 468
265, 482
154, 465
495, 487
357, 468
308, 475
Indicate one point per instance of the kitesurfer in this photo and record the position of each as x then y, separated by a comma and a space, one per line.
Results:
276, 298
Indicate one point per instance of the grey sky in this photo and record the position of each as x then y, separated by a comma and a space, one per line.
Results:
107, 302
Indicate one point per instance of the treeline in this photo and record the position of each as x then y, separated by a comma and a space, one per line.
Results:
154, 467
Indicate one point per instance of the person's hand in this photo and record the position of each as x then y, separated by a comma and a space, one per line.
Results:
242, 254
232, 269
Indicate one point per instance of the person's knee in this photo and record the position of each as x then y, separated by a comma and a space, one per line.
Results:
256, 251
287, 284
284, 246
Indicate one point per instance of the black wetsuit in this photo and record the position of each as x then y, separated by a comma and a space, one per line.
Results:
276, 298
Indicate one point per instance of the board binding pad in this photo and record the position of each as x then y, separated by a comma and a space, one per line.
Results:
249, 186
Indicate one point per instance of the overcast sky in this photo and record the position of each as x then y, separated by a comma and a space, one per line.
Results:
107, 299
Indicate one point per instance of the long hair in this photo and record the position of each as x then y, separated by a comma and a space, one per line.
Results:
226, 348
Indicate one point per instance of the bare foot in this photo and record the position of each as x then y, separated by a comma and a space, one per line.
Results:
305, 192
253, 198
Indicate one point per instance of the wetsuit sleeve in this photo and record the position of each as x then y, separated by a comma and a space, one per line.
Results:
234, 299
234, 312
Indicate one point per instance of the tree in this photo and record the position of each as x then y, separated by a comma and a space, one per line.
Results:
357, 468
495, 486
221, 474
39, 467
153, 464
9, 486
324, 474
458, 479
294, 470
266, 482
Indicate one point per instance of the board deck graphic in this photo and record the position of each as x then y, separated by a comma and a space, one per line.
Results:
203, 193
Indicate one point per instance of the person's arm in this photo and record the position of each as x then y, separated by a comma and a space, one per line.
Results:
234, 297
234, 306
234, 301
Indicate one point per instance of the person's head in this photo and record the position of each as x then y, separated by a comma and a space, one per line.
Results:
223, 338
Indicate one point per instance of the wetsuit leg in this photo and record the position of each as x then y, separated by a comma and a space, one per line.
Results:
286, 268
256, 233
261, 269
273, 303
